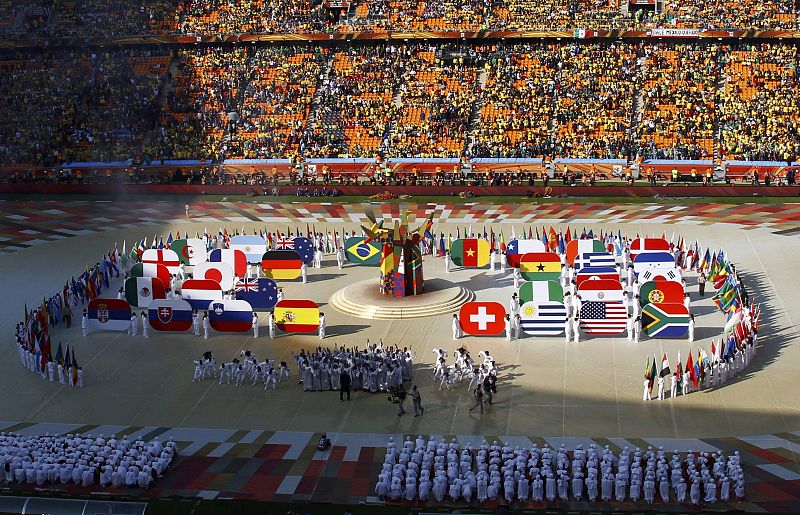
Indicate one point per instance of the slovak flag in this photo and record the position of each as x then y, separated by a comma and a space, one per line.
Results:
235, 258
170, 315
230, 316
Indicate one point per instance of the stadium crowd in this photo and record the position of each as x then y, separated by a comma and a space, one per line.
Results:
96, 18
587, 99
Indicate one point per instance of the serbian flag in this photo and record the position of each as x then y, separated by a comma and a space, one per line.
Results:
199, 293
165, 257
297, 316
109, 314
230, 316
233, 257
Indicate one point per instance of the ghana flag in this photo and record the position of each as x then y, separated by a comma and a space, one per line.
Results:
470, 252
360, 252
669, 320
540, 291
540, 266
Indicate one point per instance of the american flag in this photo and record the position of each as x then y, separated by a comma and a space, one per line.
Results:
603, 317
283, 243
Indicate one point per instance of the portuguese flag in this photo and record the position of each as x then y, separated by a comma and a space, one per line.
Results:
470, 252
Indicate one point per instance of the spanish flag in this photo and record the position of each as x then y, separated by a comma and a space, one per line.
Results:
297, 316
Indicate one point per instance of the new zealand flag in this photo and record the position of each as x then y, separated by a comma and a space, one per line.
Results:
261, 294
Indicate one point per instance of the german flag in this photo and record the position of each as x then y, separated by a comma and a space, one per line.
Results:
297, 316
281, 264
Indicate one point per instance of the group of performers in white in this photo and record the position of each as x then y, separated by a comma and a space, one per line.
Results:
426, 469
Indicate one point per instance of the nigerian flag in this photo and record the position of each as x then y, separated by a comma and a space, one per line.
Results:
540, 291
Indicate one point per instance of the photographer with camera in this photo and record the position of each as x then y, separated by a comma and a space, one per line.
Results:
398, 396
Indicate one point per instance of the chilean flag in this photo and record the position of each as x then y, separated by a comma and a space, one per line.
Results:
230, 316
170, 315
235, 258
199, 293
165, 257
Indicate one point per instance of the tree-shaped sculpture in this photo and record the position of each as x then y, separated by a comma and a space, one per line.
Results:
401, 258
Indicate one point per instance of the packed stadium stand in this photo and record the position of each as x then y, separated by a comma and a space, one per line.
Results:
214, 80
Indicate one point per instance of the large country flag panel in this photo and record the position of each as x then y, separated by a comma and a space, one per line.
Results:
470, 252
482, 318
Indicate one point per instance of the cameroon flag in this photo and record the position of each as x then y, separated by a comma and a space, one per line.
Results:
470, 252
540, 266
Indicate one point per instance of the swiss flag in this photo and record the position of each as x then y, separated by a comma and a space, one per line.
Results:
482, 318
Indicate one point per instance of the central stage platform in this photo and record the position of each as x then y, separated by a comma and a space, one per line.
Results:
364, 300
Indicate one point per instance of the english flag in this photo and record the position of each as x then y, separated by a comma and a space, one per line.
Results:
165, 257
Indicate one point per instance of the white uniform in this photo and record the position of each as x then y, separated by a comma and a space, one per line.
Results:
513, 305
145, 327
304, 273
646, 392
85, 325
691, 329
317, 258
576, 329
661, 388
456, 328
340, 258
568, 330
255, 325
321, 327
508, 329
447, 262
492, 261
271, 327
132, 329
196, 324
206, 327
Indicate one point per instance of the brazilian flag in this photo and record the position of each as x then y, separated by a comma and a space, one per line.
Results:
359, 252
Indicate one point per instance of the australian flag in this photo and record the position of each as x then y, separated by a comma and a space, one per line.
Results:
261, 293
304, 247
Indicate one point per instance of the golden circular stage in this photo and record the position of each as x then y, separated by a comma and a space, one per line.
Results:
364, 300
